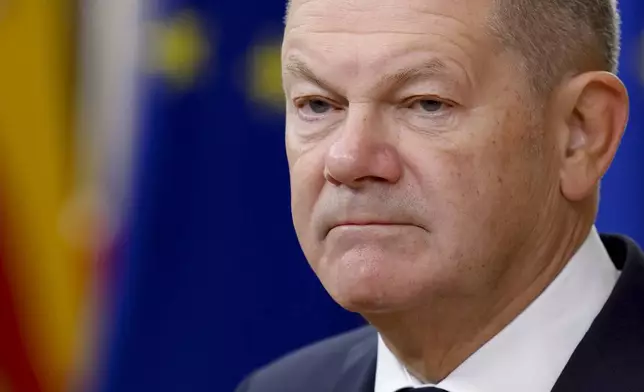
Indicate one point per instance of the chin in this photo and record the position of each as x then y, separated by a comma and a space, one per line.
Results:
377, 272
372, 303
371, 293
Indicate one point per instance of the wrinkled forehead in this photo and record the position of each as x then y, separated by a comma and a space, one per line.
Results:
366, 36
410, 16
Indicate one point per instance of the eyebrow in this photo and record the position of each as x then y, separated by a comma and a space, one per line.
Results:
431, 68
403, 76
299, 69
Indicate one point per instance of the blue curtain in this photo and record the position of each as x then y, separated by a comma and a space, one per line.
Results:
214, 283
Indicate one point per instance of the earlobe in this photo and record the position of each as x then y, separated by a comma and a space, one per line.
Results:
596, 120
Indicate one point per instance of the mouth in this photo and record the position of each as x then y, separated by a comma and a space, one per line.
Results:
358, 224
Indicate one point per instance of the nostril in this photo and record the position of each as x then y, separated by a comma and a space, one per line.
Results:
330, 178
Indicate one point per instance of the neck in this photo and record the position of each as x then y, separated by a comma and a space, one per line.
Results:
436, 338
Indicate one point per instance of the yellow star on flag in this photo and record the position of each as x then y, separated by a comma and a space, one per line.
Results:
265, 74
179, 49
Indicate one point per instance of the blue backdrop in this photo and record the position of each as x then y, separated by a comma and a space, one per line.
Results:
214, 283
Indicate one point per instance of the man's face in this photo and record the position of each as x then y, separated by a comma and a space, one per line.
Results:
416, 169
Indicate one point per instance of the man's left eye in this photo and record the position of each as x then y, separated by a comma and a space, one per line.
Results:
428, 105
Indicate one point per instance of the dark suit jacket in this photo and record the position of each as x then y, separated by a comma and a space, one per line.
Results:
610, 357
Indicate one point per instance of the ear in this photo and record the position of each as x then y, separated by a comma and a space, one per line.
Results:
593, 108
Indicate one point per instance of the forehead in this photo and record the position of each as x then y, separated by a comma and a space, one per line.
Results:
335, 13
359, 35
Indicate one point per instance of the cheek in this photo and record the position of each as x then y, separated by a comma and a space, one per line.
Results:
307, 181
471, 188
449, 179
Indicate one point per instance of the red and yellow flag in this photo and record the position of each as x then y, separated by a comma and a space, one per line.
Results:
42, 272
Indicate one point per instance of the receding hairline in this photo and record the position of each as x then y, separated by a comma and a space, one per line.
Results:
559, 36
554, 37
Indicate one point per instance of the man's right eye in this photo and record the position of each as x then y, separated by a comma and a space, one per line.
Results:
311, 109
314, 106
318, 106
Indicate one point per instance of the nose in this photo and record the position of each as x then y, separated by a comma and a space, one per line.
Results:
363, 152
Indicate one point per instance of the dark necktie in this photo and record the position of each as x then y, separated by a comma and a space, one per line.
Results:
422, 389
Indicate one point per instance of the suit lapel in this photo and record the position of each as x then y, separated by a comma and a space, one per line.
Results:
359, 368
610, 357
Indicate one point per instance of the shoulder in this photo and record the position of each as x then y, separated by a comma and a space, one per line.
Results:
318, 364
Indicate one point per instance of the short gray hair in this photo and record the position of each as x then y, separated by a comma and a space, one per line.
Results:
555, 37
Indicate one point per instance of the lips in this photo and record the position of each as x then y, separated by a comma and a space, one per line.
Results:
358, 223
371, 223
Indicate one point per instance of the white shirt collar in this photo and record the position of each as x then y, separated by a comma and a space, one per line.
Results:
529, 354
